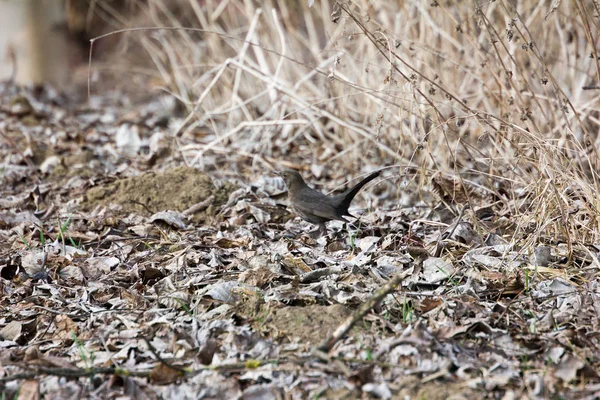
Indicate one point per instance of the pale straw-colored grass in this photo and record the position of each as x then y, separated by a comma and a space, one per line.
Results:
483, 91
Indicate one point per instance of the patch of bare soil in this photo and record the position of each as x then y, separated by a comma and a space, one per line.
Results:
176, 189
309, 324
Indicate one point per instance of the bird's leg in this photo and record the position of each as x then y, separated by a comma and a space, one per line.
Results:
320, 231
323, 229
353, 225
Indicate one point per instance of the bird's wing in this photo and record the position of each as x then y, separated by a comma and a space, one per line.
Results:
317, 204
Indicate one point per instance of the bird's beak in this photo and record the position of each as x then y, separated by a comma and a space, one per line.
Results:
277, 173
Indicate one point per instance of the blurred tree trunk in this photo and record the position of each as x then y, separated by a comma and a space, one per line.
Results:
47, 59
33, 46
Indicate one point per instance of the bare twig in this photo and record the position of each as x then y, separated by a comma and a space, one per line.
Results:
345, 327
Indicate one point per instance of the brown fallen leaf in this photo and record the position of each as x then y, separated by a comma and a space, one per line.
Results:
29, 390
164, 375
207, 351
65, 328
429, 304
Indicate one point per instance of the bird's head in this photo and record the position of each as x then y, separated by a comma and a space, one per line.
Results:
291, 178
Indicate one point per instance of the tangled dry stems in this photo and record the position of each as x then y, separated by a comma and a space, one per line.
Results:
491, 94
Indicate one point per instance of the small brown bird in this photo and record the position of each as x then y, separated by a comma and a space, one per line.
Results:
315, 207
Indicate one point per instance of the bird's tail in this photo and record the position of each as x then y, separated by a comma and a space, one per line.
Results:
346, 198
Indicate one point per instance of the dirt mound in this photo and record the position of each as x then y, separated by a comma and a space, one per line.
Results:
176, 189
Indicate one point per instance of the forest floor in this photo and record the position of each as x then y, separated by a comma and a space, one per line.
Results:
124, 271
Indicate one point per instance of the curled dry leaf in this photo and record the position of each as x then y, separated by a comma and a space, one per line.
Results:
19, 331
127, 139
29, 390
171, 218
151, 276
226, 243
260, 391
177, 300
542, 256
258, 277
50, 164
295, 266
272, 186
226, 291
380, 391
465, 233
207, 351
554, 287
368, 244
259, 215
436, 270
12, 331
71, 274
66, 329
568, 368
95, 267
33, 262
164, 375
388, 266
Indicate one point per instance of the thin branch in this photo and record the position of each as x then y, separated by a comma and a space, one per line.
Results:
345, 327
